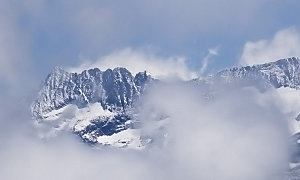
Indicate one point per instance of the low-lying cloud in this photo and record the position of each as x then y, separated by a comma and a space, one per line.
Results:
285, 43
237, 134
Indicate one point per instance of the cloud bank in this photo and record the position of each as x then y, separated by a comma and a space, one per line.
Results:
290, 106
245, 139
285, 43
230, 137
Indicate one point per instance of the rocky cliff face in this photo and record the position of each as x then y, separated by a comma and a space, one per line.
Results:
115, 90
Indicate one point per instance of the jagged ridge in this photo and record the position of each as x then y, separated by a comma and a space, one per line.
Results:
284, 72
115, 89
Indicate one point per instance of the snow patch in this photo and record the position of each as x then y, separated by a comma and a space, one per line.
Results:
71, 116
129, 138
85, 115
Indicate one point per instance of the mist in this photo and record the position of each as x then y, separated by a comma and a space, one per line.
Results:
235, 134
239, 134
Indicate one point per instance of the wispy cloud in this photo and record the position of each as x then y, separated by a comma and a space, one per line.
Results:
139, 60
285, 43
211, 53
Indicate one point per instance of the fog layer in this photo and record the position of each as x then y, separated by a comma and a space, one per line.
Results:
234, 134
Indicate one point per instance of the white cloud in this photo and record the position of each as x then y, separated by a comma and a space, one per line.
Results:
235, 143
289, 102
244, 140
138, 61
284, 44
211, 53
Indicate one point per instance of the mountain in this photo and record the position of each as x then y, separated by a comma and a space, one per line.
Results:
115, 89
100, 106
281, 73
93, 103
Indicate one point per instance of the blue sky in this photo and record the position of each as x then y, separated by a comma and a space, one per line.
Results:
37, 35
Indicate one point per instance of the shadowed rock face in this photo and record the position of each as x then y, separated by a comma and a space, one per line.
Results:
115, 89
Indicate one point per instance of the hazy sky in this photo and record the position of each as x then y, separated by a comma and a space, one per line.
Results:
37, 35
